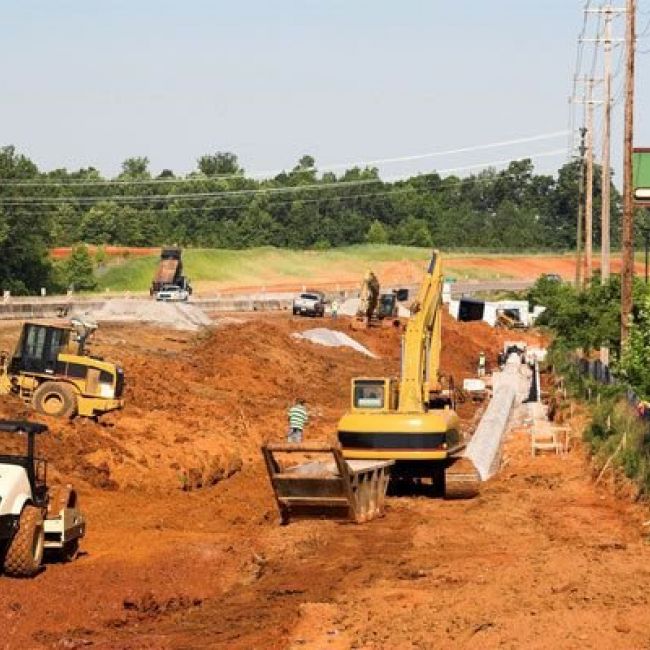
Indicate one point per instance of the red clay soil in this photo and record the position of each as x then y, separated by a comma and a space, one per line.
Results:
112, 251
528, 267
541, 559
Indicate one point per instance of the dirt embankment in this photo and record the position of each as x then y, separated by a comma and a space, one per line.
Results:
199, 406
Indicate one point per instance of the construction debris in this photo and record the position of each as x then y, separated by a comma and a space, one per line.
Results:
505, 313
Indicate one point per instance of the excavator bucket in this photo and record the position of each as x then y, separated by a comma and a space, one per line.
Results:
331, 487
462, 480
359, 323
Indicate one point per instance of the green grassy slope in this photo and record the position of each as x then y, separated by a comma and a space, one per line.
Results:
253, 265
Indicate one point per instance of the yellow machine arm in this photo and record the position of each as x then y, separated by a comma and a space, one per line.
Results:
422, 343
368, 295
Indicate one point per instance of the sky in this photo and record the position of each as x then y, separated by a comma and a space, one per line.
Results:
90, 83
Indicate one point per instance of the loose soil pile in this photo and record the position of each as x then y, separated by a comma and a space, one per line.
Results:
174, 315
199, 406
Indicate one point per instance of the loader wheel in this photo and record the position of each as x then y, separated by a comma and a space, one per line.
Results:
56, 399
25, 552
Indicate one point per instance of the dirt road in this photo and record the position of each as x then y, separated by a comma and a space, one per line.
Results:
541, 559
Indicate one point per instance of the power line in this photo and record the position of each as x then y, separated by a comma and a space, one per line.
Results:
268, 173
461, 183
33, 200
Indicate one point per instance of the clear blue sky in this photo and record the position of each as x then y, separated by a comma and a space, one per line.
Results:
90, 83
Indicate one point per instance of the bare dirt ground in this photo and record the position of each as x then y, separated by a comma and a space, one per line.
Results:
525, 267
410, 272
541, 559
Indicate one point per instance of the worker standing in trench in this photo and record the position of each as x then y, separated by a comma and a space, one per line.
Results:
298, 418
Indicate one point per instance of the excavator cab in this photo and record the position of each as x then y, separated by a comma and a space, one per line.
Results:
370, 394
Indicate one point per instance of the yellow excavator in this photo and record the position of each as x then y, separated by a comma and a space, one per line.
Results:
411, 420
375, 306
52, 372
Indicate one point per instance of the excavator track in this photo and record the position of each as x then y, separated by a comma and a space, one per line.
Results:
462, 480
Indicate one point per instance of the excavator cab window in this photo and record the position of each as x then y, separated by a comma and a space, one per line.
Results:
369, 394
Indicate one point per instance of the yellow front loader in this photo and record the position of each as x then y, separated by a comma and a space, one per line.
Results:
51, 371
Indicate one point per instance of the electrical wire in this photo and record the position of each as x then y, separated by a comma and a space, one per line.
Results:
461, 183
85, 200
268, 174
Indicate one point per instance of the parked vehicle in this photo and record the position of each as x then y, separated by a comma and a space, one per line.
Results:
310, 303
172, 293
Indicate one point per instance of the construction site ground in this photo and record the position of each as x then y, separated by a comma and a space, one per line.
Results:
184, 549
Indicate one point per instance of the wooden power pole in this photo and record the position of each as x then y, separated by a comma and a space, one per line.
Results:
606, 179
627, 273
581, 195
589, 190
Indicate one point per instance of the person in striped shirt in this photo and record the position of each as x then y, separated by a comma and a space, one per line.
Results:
298, 418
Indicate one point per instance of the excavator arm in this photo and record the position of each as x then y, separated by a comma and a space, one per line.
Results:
422, 342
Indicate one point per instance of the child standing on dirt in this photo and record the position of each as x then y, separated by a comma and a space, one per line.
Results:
298, 418
334, 309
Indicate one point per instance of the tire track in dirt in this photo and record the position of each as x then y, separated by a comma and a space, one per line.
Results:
327, 561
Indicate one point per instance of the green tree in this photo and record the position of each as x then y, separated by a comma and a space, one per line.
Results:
377, 233
634, 366
220, 163
79, 272
135, 168
413, 232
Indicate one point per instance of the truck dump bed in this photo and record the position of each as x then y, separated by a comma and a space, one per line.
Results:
169, 271
166, 271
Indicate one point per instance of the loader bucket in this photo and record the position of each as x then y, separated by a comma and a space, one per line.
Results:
332, 487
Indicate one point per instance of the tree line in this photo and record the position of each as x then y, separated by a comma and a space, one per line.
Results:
218, 205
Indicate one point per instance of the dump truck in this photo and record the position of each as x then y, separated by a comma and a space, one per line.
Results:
51, 371
411, 419
169, 272
35, 517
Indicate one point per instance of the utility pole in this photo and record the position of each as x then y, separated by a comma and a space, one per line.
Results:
581, 193
589, 198
608, 12
587, 179
627, 274
606, 178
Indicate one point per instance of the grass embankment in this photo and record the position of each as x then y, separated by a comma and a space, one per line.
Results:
273, 266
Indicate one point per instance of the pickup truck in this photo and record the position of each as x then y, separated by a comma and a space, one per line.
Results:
311, 303
172, 293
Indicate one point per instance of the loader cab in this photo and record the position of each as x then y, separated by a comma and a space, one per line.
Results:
374, 394
39, 348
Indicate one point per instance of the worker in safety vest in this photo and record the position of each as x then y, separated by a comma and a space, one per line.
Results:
481, 364
334, 309
298, 418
